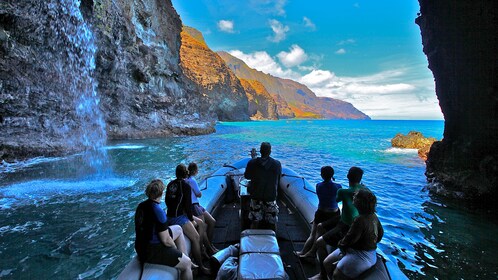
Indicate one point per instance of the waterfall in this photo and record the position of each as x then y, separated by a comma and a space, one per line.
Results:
77, 71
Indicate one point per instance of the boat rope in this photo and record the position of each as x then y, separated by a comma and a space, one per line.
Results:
219, 175
304, 182
230, 166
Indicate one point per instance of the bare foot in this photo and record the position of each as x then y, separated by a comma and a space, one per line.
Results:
214, 250
205, 270
316, 277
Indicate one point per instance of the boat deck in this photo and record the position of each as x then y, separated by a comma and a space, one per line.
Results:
292, 232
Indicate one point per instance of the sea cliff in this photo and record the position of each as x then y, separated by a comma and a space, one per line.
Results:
461, 44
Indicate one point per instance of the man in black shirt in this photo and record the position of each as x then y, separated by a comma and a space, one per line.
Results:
264, 173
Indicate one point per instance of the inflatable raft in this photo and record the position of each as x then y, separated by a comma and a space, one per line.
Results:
225, 196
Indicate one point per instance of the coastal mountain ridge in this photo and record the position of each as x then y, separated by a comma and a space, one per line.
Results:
220, 90
294, 100
300, 99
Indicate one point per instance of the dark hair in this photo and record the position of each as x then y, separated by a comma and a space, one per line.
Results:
265, 149
192, 168
181, 171
154, 189
365, 201
327, 172
355, 174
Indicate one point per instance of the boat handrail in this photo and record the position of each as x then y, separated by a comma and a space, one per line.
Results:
230, 166
304, 182
218, 175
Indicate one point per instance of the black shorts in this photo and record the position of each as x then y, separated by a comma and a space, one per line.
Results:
333, 236
160, 254
322, 216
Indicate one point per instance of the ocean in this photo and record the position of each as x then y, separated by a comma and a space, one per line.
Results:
61, 220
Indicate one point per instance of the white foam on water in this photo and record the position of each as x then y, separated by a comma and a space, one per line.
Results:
125, 147
46, 188
6, 167
400, 151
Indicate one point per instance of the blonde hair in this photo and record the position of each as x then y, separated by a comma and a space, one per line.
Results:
154, 189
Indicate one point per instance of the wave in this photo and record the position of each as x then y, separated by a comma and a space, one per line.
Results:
42, 190
10, 167
125, 147
400, 151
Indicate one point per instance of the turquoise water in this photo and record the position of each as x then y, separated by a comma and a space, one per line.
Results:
58, 220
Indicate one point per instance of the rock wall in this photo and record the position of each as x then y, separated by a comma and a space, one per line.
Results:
144, 91
461, 43
140, 89
220, 90
261, 103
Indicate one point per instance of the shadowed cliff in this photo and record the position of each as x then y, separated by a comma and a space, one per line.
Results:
68, 71
460, 41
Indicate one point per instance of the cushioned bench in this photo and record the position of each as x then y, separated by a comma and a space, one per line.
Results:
259, 256
151, 271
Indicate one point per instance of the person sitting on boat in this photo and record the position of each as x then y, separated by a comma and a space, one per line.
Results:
179, 202
328, 210
156, 242
356, 251
349, 212
199, 211
264, 173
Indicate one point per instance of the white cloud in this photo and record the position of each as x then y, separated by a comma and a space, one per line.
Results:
226, 26
308, 23
295, 57
279, 30
340, 51
393, 94
274, 7
317, 78
263, 62
380, 95
346, 42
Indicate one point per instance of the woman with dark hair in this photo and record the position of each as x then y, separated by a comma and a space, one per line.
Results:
199, 211
328, 210
156, 242
356, 251
179, 203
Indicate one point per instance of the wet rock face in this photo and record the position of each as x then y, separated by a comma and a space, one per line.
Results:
143, 89
140, 88
461, 44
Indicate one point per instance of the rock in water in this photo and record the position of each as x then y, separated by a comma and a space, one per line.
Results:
413, 140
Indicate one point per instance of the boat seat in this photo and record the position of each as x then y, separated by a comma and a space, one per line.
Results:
133, 270
259, 249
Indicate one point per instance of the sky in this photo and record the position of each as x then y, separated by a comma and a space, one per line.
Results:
368, 53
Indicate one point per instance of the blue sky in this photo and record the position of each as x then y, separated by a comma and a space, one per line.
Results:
368, 53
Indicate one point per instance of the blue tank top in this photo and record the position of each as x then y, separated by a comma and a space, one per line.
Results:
326, 192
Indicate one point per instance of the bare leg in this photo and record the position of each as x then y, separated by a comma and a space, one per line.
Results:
322, 254
310, 241
211, 222
190, 231
185, 266
338, 275
330, 262
179, 238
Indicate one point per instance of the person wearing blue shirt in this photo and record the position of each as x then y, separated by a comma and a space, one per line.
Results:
328, 210
156, 242
199, 211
